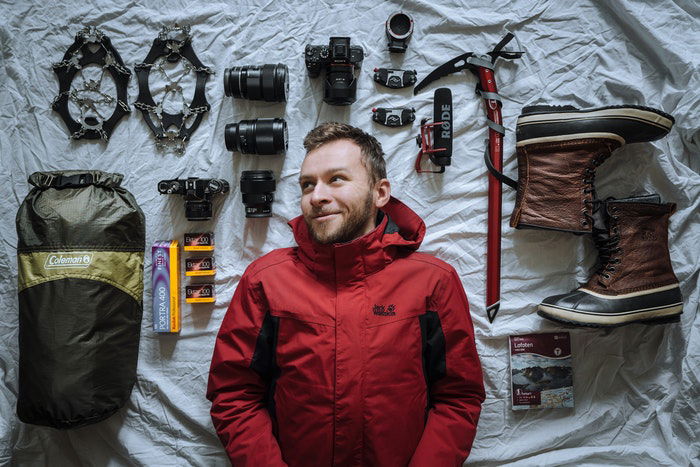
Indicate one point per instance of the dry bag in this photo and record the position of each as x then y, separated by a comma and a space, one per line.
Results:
81, 241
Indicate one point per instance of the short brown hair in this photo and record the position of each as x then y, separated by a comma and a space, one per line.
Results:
371, 149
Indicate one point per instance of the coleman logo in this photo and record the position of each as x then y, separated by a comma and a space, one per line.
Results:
68, 260
379, 310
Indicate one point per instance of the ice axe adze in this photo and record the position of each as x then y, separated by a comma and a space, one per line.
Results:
482, 65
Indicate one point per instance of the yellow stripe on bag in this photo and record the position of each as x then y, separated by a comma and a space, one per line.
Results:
116, 268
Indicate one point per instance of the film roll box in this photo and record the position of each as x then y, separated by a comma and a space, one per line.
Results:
200, 293
166, 286
204, 266
199, 241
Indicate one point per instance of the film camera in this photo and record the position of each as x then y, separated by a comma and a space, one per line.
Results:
339, 60
197, 192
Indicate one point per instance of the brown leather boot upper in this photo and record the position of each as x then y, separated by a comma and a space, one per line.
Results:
555, 183
639, 257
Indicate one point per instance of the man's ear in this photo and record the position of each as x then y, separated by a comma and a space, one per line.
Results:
382, 193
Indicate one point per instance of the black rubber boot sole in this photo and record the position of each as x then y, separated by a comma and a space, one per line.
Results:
624, 123
582, 307
654, 321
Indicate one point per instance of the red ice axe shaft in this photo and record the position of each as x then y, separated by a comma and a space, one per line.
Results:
493, 239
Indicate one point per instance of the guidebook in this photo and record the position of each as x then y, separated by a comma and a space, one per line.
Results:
541, 373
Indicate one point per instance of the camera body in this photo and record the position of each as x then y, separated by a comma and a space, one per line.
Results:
339, 59
198, 193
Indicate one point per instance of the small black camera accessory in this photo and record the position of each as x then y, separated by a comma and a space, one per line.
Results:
261, 136
197, 192
339, 60
399, 116
394, 78
399, 28
436, 138
257, 187
91, 46
172, 45
269, 83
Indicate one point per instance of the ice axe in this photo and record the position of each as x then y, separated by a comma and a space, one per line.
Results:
482, 66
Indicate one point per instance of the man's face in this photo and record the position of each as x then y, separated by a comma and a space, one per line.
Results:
338, 200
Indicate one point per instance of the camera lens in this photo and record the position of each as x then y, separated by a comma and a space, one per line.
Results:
257, 187
259, 136
268, 83
340, 87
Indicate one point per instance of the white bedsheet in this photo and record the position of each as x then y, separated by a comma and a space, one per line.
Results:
636, 388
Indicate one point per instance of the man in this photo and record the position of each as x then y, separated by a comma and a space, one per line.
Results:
352, 348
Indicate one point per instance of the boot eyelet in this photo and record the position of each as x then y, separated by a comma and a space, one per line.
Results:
607, 276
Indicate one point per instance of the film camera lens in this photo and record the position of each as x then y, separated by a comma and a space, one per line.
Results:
268, 83
257, 187
259, 136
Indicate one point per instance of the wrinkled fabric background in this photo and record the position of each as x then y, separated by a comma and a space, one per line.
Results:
636, 388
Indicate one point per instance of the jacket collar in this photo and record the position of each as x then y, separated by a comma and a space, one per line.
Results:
400, 229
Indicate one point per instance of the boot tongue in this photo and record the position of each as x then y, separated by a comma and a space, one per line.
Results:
600, 232
600, 220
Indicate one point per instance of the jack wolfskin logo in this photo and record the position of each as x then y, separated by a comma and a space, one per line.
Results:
68, 260
379, 310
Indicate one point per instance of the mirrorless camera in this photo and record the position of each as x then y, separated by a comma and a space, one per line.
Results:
339, 59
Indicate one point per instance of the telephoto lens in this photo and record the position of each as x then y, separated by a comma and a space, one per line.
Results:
257, 187
259, 136
269, 83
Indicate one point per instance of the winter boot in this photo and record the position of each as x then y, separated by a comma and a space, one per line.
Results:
633, 281
559, 148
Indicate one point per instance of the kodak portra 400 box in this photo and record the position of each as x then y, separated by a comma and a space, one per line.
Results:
166, 286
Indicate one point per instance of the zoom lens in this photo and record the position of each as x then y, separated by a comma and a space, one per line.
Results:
257, 187
259, 136
268, 83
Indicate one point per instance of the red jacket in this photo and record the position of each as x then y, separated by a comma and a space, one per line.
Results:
355, 354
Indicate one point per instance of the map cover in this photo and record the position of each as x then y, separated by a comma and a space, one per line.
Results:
541, 373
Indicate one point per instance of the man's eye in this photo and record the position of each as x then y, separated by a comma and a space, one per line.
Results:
305, 186
336, 178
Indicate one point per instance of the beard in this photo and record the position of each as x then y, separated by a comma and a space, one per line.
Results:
351, 228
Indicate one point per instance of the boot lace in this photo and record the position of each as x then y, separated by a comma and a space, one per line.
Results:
607, 244
589, 187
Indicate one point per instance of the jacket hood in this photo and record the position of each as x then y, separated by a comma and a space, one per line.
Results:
400, 231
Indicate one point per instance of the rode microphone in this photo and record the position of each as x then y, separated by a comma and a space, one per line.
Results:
435, 138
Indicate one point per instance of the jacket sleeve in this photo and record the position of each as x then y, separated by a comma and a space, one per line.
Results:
456, 385
239, 378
